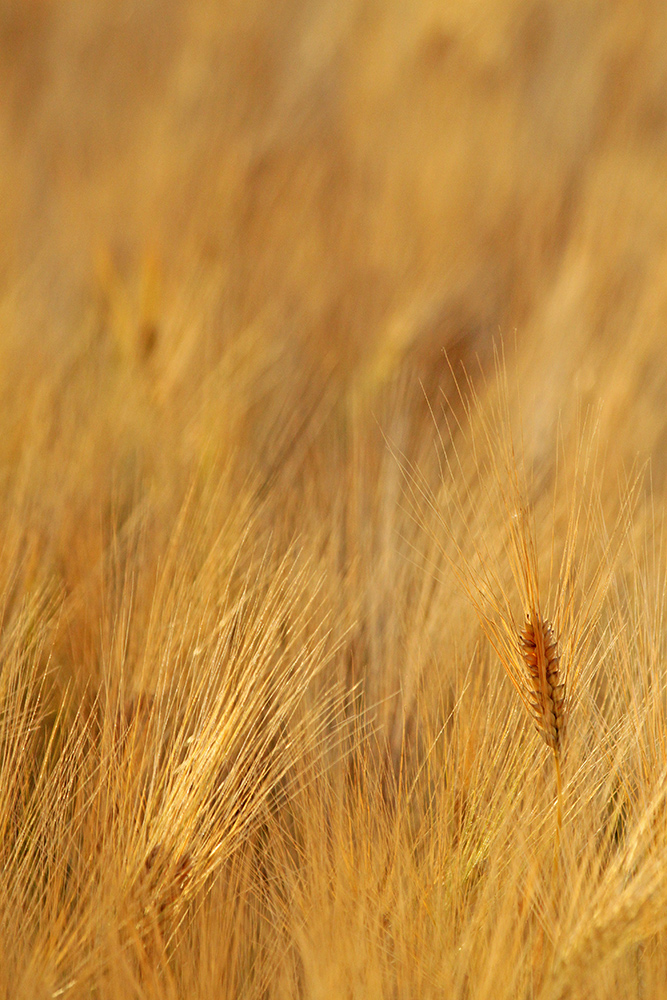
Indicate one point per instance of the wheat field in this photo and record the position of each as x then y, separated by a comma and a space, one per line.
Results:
333, 479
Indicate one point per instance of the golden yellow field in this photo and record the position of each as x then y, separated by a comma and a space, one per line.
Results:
333, 344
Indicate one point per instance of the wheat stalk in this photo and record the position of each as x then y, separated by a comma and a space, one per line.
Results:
539, 649
483, 522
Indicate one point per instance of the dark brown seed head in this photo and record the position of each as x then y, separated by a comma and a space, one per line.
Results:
539, 650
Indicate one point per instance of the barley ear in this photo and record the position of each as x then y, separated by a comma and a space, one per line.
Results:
546, 696
546, 691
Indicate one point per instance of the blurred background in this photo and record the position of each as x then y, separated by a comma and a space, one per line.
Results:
348, 174
259, 227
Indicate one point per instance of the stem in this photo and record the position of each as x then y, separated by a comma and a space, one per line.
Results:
559, 810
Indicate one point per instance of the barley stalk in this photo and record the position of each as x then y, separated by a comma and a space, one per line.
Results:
493, 536
546, 696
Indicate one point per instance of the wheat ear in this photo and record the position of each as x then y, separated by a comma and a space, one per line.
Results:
546, 692
546, 695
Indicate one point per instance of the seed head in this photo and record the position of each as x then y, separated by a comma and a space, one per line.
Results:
546, 693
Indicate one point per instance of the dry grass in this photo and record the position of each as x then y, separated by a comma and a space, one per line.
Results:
332, 385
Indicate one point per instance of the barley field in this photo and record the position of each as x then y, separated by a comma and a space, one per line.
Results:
333, 481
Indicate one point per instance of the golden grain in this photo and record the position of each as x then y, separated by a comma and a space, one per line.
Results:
330, 334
